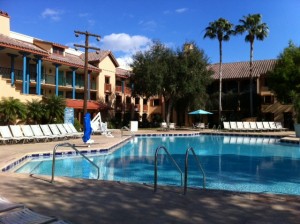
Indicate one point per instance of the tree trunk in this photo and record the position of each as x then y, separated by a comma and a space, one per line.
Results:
251, 79
220, 82
169, 109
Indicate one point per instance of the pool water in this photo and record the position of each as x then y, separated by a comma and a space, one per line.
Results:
241, 164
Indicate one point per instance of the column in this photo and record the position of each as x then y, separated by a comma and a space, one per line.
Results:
24, 54
12, 65
73, 82
27, 76
56, 78
39, 76
89, 86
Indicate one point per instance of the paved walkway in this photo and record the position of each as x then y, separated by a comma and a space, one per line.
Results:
92, 201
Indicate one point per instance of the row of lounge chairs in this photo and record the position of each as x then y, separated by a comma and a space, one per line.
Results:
253, 126
37, 133
13, 213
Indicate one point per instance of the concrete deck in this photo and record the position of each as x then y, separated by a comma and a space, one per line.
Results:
94, 201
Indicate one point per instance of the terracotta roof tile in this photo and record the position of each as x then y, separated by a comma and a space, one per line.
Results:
9, 42
71, 60
240, 70
124, 73
93, 56
91, 105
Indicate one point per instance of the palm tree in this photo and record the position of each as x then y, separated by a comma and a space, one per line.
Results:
36, 111
55, 108
222, 30
255, 29
12, 110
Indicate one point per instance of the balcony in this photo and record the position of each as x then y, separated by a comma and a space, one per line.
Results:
127, 90
145, 108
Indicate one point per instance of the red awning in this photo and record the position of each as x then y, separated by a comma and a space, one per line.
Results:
91, 105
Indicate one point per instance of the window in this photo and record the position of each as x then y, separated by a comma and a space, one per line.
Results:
137, 101
118, 99
106, 98
268, 99
145, 101
156, 102
58, 50
128, 100
107, 79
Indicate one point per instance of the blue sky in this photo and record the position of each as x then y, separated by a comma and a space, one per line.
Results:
127, 26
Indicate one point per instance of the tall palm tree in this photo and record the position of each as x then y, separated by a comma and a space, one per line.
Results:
255, 29
12, 110
222, 30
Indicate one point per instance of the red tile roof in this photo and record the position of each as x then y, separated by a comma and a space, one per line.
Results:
6, 41
123, 73
71, 60
240, 70
93, 56
91, 105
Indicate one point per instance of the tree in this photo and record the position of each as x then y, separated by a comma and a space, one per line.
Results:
284, 79
54, 108
12, 110
174, 75
36, 111
255, 29
220, 29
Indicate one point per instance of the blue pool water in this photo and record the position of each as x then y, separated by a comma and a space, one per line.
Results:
241, 164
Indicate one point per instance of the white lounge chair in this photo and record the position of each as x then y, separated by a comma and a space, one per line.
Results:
273, 126
226, 126
240, 126
6, 205
17, 133
38, 133
63, 131
25, 216
71, 132
54, 129
29, 133
260, 126
78, 133
6, 135
266, 126
233, 126
280, 127
47, 132
172, 126
246, 125
163, 126
253, 126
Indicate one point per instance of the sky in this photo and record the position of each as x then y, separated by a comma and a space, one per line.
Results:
129, 26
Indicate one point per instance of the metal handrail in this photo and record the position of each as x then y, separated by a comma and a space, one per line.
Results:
80, 153
186, 169
155, 168
127, 129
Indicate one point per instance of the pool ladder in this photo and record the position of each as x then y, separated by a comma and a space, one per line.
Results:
178, 168
127, 129
80, 153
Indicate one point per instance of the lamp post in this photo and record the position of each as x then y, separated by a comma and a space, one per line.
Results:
86, 52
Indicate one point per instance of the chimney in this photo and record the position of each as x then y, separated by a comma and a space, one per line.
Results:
4, 23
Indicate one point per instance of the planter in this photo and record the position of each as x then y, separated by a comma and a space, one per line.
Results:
297, 130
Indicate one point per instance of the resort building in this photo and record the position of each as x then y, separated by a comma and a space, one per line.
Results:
235, 89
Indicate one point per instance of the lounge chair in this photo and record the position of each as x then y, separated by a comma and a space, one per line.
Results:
29, 133
253, 126
6, 135
6, 205
233, 126
246, 125
273, 126
266, 126
260, 126
47, 132
80, 134
226, 126
17, 133
240, 126
172, 126
199, 126
24, 216
280, 127
163, 126
38, 133
54, 129
63, 131
71, 132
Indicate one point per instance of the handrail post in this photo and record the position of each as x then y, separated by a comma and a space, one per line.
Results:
155, 165
76, 150
186, 169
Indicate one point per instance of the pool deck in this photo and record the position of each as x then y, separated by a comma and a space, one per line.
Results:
94, 201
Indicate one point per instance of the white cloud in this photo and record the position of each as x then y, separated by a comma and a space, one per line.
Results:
181, 10
52, 14
125, 46
148, 25
125, 43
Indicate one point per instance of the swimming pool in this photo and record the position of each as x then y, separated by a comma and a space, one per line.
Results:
241, 164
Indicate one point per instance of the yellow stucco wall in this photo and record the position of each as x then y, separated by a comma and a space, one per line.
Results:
108, 69
5, 25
